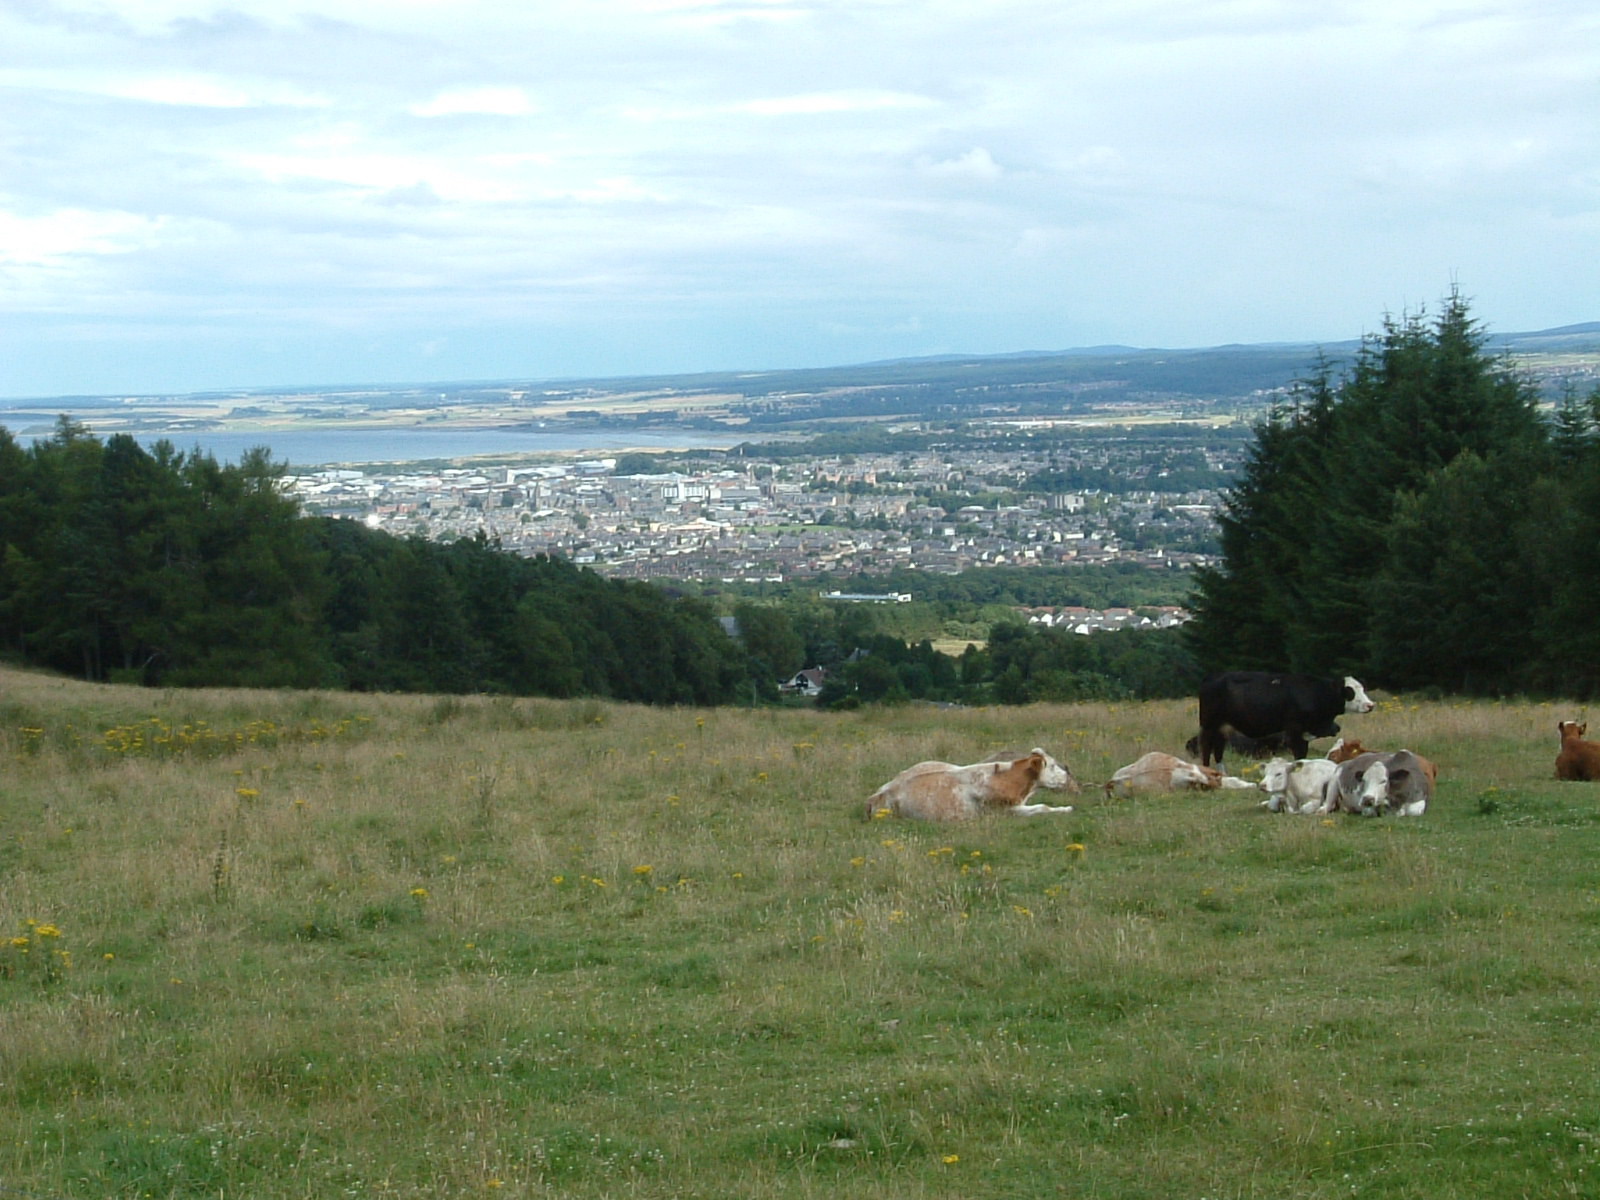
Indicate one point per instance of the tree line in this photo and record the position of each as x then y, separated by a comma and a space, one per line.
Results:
161, 567
167, 568
1419, 521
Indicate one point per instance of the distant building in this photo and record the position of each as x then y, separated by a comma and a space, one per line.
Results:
806, 683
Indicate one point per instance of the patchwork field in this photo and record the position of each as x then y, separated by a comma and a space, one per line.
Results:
276, 944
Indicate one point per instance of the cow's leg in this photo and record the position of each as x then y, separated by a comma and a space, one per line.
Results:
1212, 742
1297, 743
1034, 810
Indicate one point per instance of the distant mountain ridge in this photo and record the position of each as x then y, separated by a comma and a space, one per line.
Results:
1231, 369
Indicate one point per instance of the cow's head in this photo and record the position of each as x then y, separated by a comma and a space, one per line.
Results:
1193, 775
1356, 699
1275, 775
1345, 749
1370, 797
1054, 775
1571, 729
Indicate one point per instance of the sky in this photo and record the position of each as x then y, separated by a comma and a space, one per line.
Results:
199, 195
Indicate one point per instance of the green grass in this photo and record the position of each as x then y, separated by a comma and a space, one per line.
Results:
396, 947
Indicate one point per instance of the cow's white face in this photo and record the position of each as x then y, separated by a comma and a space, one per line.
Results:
1275, 775
1055, 776
1372, 791
1358, 701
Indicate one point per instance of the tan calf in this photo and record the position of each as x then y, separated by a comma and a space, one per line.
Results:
941, 791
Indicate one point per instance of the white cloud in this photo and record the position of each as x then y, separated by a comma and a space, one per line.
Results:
72, 232
976, 163
486, 101
822, 103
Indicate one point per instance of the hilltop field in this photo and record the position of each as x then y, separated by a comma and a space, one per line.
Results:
265, 944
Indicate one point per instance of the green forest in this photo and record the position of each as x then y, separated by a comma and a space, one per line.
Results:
1419, 522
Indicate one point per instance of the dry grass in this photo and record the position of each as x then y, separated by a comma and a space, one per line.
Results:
407, 946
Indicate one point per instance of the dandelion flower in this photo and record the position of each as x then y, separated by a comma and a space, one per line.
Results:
420, 893
951, 1160
643, 869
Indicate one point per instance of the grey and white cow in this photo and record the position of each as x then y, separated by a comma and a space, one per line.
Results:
1375, 784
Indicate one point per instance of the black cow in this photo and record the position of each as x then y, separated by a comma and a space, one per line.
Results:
1262, 704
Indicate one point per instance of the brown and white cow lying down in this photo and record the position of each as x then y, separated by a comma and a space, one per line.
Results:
1578, 759
1160, 772
1373, 784
941, 791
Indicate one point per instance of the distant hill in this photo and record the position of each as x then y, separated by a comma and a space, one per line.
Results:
946, 384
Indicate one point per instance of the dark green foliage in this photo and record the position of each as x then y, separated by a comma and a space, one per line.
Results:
1419, 523
166, 568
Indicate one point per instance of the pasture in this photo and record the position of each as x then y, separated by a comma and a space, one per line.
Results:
280, 944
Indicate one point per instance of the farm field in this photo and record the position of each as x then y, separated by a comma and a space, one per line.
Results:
293, 944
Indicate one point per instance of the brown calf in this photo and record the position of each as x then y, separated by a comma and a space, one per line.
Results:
1578, 759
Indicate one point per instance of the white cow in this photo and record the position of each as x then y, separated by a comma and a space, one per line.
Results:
941, 791
1297, 785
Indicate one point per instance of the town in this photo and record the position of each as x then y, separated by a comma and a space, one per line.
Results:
748, 517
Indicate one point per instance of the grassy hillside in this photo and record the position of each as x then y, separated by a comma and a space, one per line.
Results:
297, 944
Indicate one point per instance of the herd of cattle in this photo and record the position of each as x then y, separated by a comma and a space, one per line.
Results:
1256, 713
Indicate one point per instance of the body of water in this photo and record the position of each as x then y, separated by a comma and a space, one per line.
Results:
313, 448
